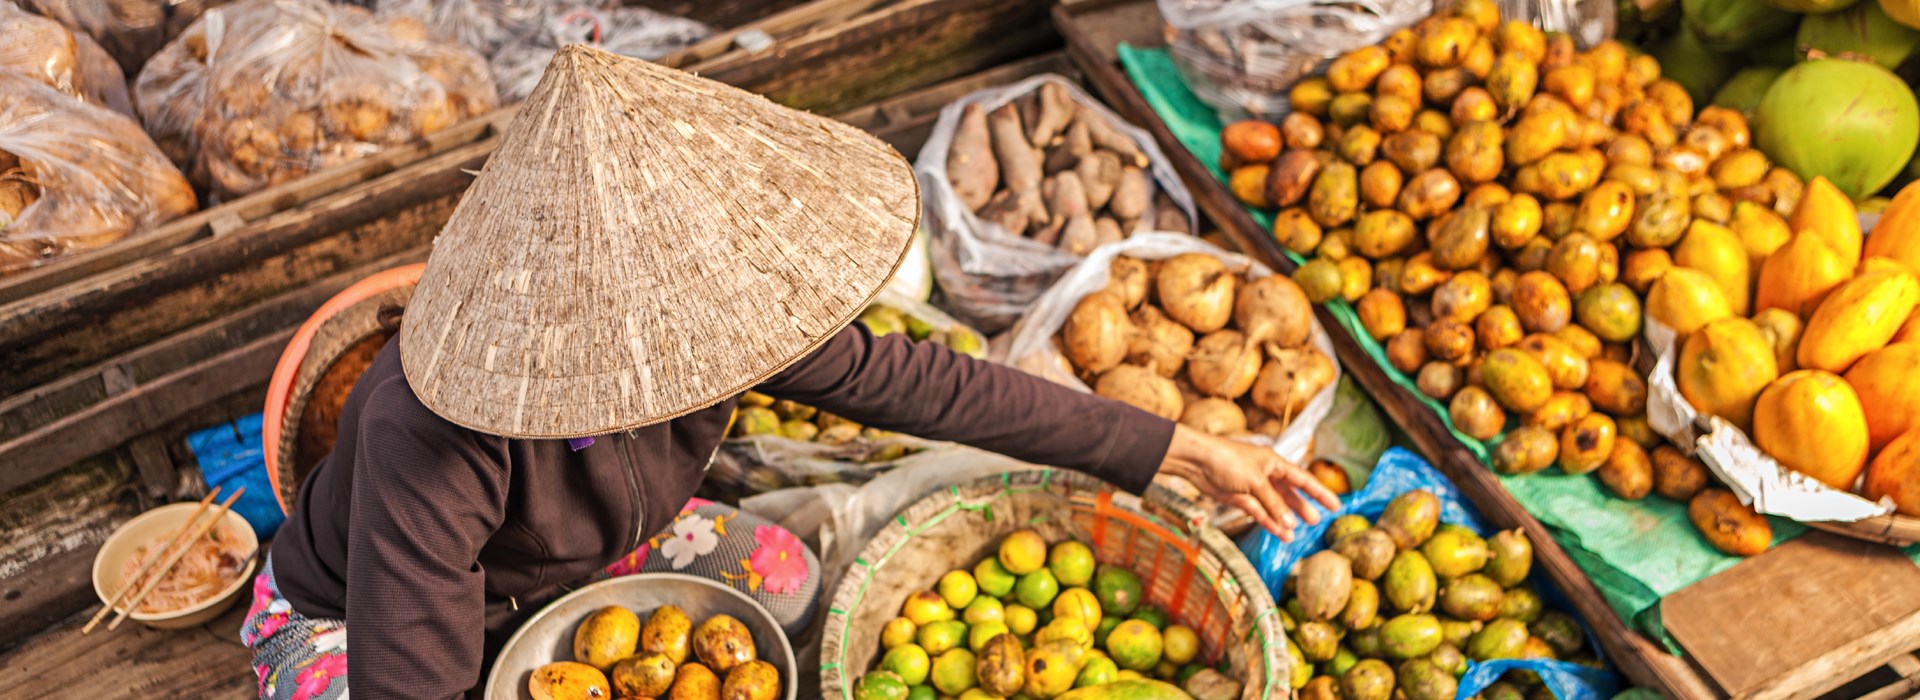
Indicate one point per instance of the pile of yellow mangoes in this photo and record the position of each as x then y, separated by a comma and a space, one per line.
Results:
615, 656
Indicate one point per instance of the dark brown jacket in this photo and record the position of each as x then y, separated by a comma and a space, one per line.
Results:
434, 541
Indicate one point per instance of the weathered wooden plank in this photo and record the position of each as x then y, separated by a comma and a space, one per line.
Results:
895, 48
719, 13
905, 122
133, 662
51, 531
720, 46
1135, 22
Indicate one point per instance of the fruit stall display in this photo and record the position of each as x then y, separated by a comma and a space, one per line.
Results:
615, 655
1042, 622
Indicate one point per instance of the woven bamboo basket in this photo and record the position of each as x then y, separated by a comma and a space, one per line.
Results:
1187, 568
1897, 530
318, 369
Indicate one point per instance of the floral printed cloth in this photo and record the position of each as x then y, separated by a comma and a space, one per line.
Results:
295, 657
740, 549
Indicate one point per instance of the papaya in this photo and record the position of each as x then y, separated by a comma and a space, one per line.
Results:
1715, 251
1686, 299
1724, 367
1888, 384
1860, 316
1761, 231
1895, 474
1783, 331
1897, 235
1826, 212
1799, 275
1811, 422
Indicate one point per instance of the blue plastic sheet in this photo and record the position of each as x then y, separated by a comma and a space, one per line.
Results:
230, 457
1398, 472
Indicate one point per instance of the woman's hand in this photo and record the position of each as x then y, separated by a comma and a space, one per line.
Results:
1278, 494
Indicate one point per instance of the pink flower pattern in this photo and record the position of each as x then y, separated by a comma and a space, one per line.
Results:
314, 679
780, 561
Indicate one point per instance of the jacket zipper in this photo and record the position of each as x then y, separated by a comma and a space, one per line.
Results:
633, 487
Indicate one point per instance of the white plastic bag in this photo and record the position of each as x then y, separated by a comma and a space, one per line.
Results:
481, 25
1032, 347
1241, 56
1754, 476
988, 276
629, 31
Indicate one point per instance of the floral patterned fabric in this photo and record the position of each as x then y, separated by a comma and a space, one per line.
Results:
295, 657
743, 550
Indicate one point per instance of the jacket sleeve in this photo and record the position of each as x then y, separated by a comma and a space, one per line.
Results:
427, 496
924, 389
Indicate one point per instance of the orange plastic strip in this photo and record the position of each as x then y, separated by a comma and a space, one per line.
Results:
1102, 509
280, 386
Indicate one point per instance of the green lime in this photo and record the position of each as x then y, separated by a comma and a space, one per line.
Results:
978, 635
908, 661
1181, 644
938, 637
993, 578
1036, 590
1118, 589
1187, 672
1072, 563
1152, 616
1106, 627
880, 685
1021, 619
922, 692
984, 610
953, 672
1135, 646
959, 589
1098, 671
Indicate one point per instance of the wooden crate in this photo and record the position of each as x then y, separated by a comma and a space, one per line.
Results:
80, 455
1751, 634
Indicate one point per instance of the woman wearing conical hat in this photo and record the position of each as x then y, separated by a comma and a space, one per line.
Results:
644, 247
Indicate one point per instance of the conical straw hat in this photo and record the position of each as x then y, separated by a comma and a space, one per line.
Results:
645, 243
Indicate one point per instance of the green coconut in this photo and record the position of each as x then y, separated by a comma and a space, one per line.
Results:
1697, 69
1732, 26
1861, 30
1849, 121
1743, 91
1813, 7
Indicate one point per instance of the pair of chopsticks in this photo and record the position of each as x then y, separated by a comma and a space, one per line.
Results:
178, 544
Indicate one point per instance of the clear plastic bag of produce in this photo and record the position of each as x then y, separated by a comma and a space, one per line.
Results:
130, 31
1032, 347
100, 79
1353, 435
988, 275
629, 31
74, 176
481, 25
296, 86
68, 61
1751, 474
1241, 56
1399, 472
810, 448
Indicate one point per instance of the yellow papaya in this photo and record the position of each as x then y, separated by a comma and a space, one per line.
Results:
1897, 235
1724, 367
1715, 251
1685, 299
1811, 422
1888, 384
1895, 474
1909, 333
1798, 276
1827, 212
1906, 12
1761, 231
1859, 317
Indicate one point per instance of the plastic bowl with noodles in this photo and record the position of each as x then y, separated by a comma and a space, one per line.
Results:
155, 528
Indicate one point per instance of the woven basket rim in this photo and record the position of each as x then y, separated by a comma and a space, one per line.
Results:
835, 680
1896, 529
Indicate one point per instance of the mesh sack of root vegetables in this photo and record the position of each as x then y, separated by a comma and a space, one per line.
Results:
74, 176
61, 58
1022, 181
290, 87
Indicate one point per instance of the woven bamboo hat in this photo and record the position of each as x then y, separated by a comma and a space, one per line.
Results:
645, 243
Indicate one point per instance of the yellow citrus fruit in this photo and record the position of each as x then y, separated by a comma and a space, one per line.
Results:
1023, 552
926, 607
1078, 603
994, 580
1180, 644
898, 631
958, 589
1021, 619
1072, 563
1135, 645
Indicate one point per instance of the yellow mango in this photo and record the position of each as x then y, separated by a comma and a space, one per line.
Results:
1811, 422
1724, 367
1859, 317
1826, 211
1798, 276
1761, 231
1714, 250
1895, 474
1888, 384
1686, 299
1897, 235
1909, 333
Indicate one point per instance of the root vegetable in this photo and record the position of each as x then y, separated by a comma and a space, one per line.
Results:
1055, 111
1215, 416
1273, 310
1100, 174
1106, 230
1129, 277
1224, 364
1065, 198
1158, 342
1142, 389
1019, 163
1096, 334
1197, 290
1131, 195
1167, 216
1290, 379
970, 164
1079, 236
1107, 137
1004, 211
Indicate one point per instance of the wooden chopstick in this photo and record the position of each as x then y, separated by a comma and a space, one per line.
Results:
156, 556
174, 558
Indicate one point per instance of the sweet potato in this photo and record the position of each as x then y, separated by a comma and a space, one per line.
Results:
1108, 231
1167, 216
1079, 236
1070, 150
1099, 174
1055, 111
1066, 198
1107, 137
1004, 211
1019, 163
1131, 195
970, 164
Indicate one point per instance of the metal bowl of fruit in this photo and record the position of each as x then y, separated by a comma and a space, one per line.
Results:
645, 634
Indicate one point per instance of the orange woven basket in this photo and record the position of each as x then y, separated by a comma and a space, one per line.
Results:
318, 369
1188, 568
